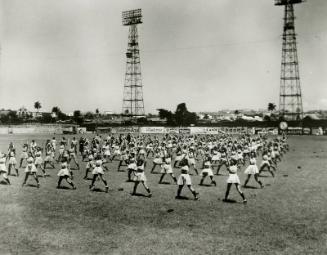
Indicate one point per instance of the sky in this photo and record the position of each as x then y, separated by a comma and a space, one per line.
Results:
212, 54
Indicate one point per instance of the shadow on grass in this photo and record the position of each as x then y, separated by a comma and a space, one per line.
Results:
182, 198
205, 185
265, 176
41, 176
231, 201
221, 174
11, 174
165, 183
98, 190
30, 185
250, 187
139, 195
63, 187
3, 182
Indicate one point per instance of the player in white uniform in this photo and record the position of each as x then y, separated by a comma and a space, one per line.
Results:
131, 168
191, 160
39, 161
157, 161
24, 155
3, 168
123, 158
31, 170
90, 165
72, 156
167, 169
265, 165
12, 162
139, 177
49, 155
61, 152
185, 179
65, 173
252, 169
223, 160
207, 171
98, 172
233, 179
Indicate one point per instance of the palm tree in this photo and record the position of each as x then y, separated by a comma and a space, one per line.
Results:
271, 107
56, 109
37, 106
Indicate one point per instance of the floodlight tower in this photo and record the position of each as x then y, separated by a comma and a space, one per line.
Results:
133, 105
290, 97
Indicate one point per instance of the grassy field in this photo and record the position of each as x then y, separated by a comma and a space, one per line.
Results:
288, 216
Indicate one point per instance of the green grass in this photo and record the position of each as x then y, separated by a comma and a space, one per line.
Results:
288, 216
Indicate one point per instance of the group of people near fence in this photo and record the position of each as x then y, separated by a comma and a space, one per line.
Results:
178, 157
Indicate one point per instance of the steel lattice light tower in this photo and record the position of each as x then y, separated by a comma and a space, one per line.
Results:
290, 99
133, 104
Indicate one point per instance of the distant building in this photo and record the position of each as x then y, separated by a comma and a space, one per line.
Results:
108, 113
4, 112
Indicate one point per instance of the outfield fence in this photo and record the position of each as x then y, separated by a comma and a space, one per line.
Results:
187, 130
38, 129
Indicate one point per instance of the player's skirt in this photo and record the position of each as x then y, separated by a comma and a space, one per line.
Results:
222, 161
265, 163
139, 177
32, 170
234, 157
3, 168
38, 161
142, 152
191, 161
12, 161
184, 179
178, 157
24, 155
251, 169
107, 153
97, 170
124, 157
132, 166
61, 151
63, 172
233, 178
246, 152
157, 161
166, 169
88, 165
48, 159
206, 172
215, 158
117, 152
72, 155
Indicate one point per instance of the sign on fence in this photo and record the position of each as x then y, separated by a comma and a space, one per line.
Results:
185, 131
126, 130
170, 130
153, 130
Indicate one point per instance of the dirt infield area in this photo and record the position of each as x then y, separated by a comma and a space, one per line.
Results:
288, 216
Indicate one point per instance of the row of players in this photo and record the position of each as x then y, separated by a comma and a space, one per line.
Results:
135, 159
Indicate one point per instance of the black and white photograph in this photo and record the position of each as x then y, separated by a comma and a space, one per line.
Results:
163, 127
